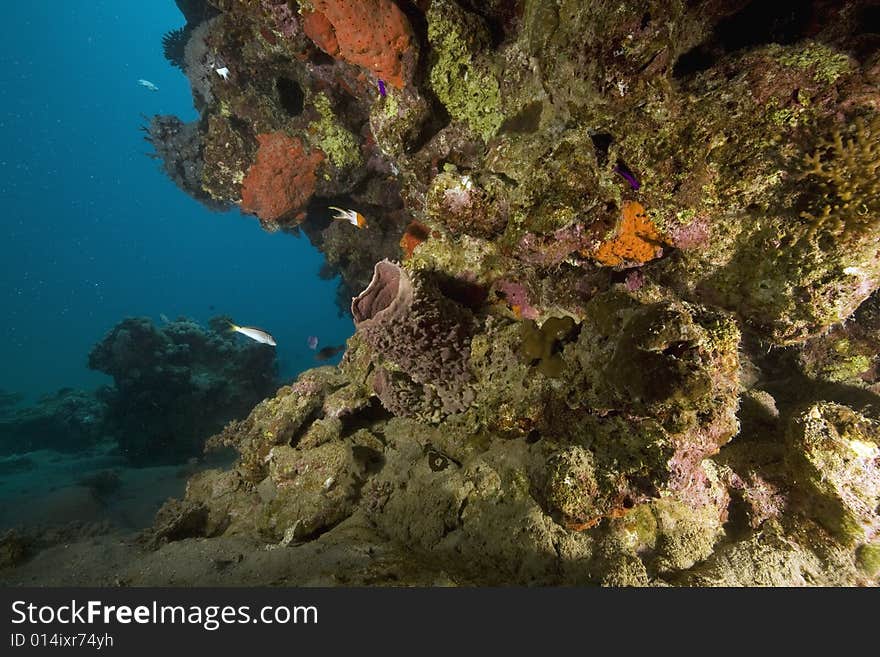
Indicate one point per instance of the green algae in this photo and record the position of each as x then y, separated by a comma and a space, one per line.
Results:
824, 63
463, 83
340, 145
868, 559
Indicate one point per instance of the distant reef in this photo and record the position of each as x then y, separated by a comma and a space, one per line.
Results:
66, 421
616, 302
174, 386
178, 383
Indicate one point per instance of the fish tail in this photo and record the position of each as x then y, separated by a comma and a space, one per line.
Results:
232, 327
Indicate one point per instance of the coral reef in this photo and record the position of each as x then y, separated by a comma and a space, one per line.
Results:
633, 338
176, 385
67, 421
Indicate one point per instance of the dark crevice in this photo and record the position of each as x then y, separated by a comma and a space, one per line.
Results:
372, 414
693, 61
438, 117
290, 95
737, 526
759, 22
601, 143
868, 20
320, 58
317, 414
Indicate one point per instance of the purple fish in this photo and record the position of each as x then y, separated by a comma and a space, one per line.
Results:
312, 342
631, 179
382, 88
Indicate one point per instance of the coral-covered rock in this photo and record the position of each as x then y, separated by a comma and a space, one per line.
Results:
464, 81
373, 34
465, 207
275, 421
227, 156
309, 490
835, 458
398, 119
609, 212
455, 510
180, 147
282, 179
849, 352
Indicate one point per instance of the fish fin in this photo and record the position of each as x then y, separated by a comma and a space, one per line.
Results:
232, 327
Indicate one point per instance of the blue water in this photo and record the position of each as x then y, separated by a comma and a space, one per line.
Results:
93, 231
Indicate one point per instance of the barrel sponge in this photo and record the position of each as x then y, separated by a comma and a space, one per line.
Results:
409, 323
405, 398
407, 320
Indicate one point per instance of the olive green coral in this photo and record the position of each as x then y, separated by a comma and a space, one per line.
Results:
844, 172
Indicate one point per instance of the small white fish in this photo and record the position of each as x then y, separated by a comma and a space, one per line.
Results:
253, 333
223, 72
353, 217
164, 318
149, 85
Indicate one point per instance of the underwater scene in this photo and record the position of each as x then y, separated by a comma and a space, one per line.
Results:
440, 293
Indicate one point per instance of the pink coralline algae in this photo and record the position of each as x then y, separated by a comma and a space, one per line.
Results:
548, 250
286, 20
635, 279
517, 296
692, 236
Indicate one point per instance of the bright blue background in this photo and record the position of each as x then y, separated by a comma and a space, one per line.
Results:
92, 229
